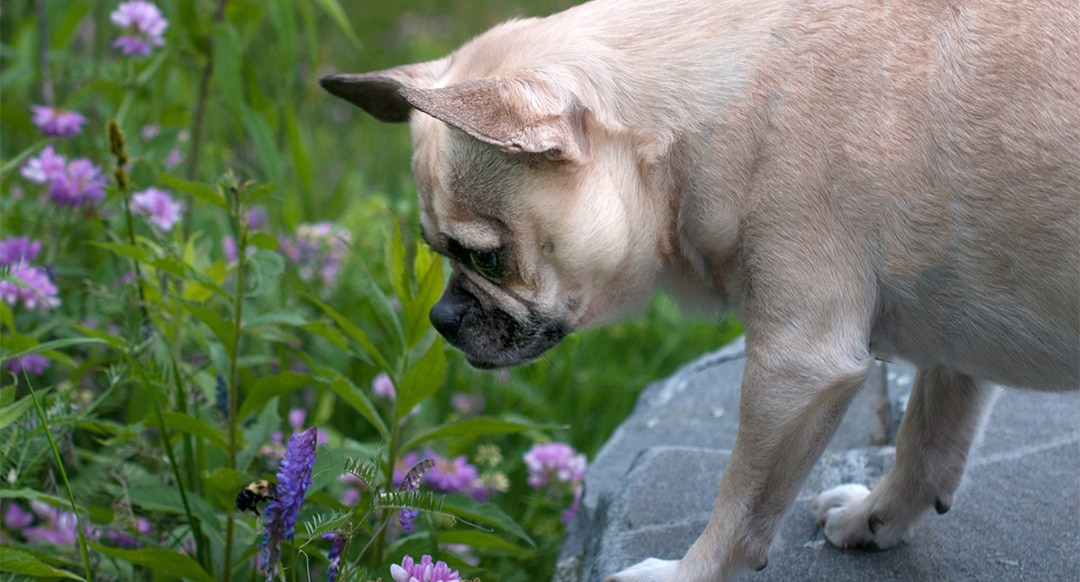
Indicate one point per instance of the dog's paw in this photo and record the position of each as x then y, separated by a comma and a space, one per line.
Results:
851, 521
651, 570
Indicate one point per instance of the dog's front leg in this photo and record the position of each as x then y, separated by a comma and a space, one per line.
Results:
789, 411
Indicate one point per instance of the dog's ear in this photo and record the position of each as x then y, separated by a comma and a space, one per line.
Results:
379, 92
514, 115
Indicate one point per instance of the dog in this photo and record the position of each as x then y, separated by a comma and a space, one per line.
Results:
856, 179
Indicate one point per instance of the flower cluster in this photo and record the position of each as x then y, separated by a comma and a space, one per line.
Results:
455, 475
70, 184
56, 122
294, 478
25, 283
337, 548
317, 251
158, 206
45, 524
144, 26
424, 571
550, 464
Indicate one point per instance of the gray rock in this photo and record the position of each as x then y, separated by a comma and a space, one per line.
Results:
650, 490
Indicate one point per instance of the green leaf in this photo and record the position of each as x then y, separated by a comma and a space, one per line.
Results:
140, 254
20, 562
429, 289
399, 273
299, 150
51, 345
13, 412
196, 190
185, 423
381, 305
271, 387
13, 163
265, 146
266, 268
470, 509
356, 398
333, 8
31, 495
353, 331
324, 330
6, 317
223, 328
473, 427
227, 67
165, 562
226, 483
421, 379
279, 317
478, 539
264, 241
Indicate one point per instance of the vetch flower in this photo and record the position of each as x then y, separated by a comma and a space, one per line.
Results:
31, 286
337, 547
35, 364
18, 250
554, 460
46, 167
144, 25
56, 122
158, 206
425, 571
81, 182
294, 477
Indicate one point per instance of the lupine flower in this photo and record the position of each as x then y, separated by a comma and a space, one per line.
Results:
554, 460
294, 477
31, 286
158, 206
46, 167
144, 26
382, 386
81, 182
35, 364
18, 250
56, 122
337, 547
425, 571
317, 251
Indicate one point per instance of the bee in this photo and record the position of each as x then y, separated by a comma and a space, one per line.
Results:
255, 492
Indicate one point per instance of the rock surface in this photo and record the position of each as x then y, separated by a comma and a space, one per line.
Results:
1016, 516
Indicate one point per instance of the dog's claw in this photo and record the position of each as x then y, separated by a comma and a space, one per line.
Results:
651, 570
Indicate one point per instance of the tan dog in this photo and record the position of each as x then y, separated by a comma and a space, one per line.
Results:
857, 178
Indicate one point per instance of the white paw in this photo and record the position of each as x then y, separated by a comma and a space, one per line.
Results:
651, 570
837, 498
845, 517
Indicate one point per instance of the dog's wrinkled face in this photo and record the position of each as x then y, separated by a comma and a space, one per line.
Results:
527, 205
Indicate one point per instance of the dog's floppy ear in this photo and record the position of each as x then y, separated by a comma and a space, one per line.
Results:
515, 115
379, 92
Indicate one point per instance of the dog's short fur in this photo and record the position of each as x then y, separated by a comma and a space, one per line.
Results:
857, 178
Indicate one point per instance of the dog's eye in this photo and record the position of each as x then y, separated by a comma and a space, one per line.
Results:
486, 263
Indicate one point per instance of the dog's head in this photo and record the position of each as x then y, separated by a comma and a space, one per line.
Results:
538, 208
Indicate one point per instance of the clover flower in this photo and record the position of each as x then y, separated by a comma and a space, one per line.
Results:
294, 477
45, 168
35, 364
143, 24
455, 475
81, 182
158, 206
425, 571
56, 122
18, 250
31, 286
337, 548
554, 460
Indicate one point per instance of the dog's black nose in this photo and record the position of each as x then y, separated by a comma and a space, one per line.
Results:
446, 315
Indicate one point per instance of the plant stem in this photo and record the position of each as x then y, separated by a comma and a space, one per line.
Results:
83, 551
240, 225
391, 459
47, 93
204, 89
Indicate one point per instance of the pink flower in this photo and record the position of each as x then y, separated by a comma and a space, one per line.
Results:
382, 386
554, 460
55, 122
81, 182
18, 250
45, 168
158, 206
31, 286
144, 26
425, 571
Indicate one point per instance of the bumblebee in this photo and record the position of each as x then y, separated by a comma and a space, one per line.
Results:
255, 492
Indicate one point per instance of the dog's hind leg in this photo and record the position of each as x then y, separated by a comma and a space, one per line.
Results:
944, 414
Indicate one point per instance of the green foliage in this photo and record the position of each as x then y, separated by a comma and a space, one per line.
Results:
177, 368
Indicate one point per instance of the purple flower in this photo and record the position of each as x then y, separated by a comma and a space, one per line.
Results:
55, 122
317, 251
294, 477
17, 518
258, 218
123, 539
81, 182
297, 416
568, 513
32, 286
174, 157
150, 131
455, 475
35, 364
47, 167
382, 386
58, 527
144, 26
337, 548
159, 207
554, 460
18, 250
425, 571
